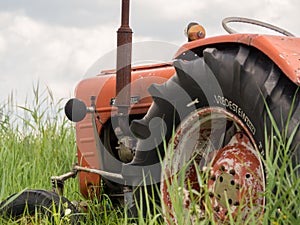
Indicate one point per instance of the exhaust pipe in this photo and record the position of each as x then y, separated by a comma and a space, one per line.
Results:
124, 49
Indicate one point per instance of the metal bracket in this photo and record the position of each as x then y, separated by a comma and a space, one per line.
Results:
58, 181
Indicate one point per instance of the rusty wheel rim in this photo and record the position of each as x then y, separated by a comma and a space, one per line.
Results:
234, 180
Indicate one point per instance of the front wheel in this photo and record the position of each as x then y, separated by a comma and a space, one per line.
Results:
47, 203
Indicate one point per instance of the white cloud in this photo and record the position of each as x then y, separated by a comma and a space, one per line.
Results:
50, 47
170, 9
2, 44
31, 50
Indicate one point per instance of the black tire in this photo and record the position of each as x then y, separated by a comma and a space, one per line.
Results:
42, 201
240, 79
244, 82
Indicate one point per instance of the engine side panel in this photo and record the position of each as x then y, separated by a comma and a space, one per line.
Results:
104, 88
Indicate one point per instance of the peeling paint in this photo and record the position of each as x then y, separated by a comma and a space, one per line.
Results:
193, 139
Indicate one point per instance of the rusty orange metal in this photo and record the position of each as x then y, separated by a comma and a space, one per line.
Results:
284, 51
238, 179
235, 177
103, 87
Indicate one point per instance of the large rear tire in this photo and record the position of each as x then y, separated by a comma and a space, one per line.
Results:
239, 79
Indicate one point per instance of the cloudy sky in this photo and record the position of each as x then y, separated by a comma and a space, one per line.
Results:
56, 42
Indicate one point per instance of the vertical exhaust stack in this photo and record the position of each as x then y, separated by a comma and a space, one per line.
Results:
124, 49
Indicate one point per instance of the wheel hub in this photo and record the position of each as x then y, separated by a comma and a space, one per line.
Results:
236, 179
225, 189
234, 172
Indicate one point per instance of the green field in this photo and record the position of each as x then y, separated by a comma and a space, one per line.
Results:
37, 141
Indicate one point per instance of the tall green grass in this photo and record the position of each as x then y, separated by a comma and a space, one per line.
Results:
37, 142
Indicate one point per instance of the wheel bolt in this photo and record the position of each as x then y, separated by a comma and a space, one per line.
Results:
217, 208
232, 172
241, 135
236, 204
238, 186
222, 168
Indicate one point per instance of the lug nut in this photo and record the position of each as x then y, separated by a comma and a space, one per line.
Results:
217, 208
213, 177
236, 203
222, 168
232, 172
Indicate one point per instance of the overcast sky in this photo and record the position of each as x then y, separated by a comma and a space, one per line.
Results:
56, 42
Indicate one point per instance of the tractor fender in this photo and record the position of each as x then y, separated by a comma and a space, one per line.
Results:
283, 51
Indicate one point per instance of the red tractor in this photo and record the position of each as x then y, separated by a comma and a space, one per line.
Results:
137, 127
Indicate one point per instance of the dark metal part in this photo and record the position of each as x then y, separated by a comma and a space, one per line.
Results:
100, 172
128, 196
232, 172
123, 77
75, 110
222, 168
58, 181
217, 208
236, 203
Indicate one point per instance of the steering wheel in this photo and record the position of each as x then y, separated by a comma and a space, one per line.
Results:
254, 22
